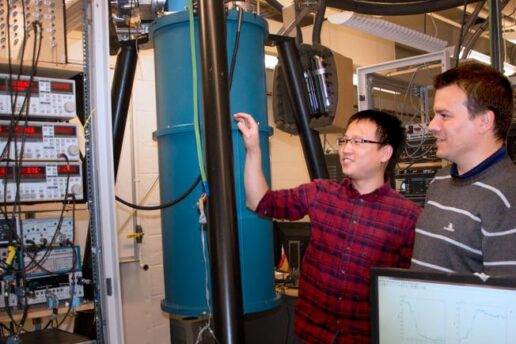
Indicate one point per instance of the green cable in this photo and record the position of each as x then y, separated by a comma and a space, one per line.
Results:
197, 131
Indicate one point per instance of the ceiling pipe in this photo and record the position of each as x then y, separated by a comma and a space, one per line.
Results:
319, 19
398, 8
495, 34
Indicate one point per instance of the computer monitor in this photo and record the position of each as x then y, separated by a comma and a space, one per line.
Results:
409, 307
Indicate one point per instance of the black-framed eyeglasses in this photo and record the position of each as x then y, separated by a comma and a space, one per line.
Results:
356, 141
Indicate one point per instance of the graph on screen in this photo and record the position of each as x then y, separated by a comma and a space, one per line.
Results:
423, 312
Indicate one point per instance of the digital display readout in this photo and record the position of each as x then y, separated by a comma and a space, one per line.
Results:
64, 170
38, 172
18, 85
65, 131
31, 132
36, 132
61, 87
26, 172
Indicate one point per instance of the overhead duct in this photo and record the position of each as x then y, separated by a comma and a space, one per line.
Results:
387, 30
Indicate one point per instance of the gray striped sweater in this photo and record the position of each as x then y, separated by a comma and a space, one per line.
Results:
469, 225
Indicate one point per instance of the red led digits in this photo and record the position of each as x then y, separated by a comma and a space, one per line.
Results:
19, 131
32, 171
23, 85
67, 169
64, 131
62, 87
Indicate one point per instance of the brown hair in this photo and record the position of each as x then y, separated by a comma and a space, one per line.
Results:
486, 89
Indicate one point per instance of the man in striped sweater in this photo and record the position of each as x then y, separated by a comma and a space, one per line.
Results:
468, 224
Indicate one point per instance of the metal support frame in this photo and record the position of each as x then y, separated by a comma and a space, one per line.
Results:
296, 87
495, 34
285, 30
226, 284
101, 189
121, 93
365, 97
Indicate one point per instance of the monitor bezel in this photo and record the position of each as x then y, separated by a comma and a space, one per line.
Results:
406, 274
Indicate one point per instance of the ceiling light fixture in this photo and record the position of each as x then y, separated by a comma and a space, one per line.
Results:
508, 69
270, 61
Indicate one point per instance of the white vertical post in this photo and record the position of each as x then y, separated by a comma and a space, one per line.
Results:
104, 221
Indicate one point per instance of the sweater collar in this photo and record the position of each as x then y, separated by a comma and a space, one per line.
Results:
497, 156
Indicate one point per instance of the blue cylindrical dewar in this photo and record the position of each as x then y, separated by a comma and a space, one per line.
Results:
176, 5
186, 273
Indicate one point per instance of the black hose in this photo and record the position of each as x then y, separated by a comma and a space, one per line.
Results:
319, 19
468, 46
299, 36
399, 8
461, 35
474, 15
235, 49
164, 205
465, 29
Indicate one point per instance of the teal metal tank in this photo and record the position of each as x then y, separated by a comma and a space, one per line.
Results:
184, 266
176, 5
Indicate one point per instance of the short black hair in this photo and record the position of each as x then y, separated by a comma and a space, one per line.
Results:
390, 130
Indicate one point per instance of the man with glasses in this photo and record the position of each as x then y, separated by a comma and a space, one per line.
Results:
356, 224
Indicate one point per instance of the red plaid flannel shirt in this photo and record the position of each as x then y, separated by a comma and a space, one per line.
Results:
349, 234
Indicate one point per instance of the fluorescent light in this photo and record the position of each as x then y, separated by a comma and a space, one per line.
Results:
270, 61
388, 30
384, 90
379, 89
478, 56
508, 69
